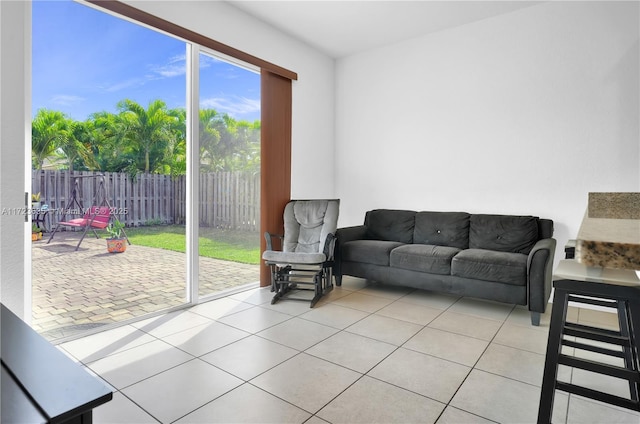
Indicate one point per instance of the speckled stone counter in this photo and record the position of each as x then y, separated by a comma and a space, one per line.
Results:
604, 239
614, 205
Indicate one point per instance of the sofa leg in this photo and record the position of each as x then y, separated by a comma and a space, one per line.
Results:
535, 318
338, 279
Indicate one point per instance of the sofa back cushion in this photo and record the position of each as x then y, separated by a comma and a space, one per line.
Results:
503, 233
545, 228
390, 225
442, 229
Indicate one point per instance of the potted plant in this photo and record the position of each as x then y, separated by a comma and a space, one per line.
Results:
115, 242
35, 200
36, 232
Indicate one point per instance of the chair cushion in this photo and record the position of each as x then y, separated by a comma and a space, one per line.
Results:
100, 215
303, 222
424, 258
374, 252
504, 267
76, 222
504, 233
390, 225
293, 257
442, 229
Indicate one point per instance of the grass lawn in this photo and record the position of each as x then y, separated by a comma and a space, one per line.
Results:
229, 245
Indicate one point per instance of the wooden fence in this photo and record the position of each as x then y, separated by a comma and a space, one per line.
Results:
227, 199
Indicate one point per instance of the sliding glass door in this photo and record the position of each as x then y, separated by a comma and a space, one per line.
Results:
229, 175
127, 117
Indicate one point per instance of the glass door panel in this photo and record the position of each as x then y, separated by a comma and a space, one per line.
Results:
108, 130
229, 177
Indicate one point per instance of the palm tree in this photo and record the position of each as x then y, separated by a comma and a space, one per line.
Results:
175, 156
75, 145
209, 137
149, 129
247, 158
48, 129
149, 140
110, 148
227, 144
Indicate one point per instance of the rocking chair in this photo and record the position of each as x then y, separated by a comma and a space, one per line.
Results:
306, 258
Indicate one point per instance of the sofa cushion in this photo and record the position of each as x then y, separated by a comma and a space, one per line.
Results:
368, 251
424, 258
504, 233
442, 229
489, 265
390, 225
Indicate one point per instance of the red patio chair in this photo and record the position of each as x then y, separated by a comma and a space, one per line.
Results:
96, 217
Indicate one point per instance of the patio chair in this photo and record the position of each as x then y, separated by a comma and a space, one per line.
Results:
308, 243
96, 217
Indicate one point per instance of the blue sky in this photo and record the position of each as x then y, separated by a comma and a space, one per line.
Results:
85, 61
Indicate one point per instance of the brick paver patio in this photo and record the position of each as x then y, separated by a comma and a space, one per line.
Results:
74, 291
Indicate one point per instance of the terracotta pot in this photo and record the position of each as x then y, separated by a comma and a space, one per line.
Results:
116, 245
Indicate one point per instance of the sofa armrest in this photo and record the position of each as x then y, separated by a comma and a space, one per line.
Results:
539, 274
344, 235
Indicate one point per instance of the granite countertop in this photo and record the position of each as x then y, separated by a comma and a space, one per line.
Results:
609, 236
614, 205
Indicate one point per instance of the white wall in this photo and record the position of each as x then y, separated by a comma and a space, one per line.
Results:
524, 113
313, 92
15, 105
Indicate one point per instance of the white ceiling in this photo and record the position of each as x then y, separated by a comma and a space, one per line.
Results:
342, 28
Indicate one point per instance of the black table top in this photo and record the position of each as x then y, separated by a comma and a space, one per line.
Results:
17, 406
53, 386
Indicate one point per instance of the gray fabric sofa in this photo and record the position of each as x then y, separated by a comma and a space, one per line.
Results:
504, 258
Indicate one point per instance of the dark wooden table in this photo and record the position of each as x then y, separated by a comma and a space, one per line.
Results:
616, 289
40, 384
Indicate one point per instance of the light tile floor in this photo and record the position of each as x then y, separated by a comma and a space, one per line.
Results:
366, 353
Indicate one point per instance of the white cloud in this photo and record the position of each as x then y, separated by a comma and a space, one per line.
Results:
178, 58
168, 71
66, 99
131, 82
234, 105
175, 66
206, 60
